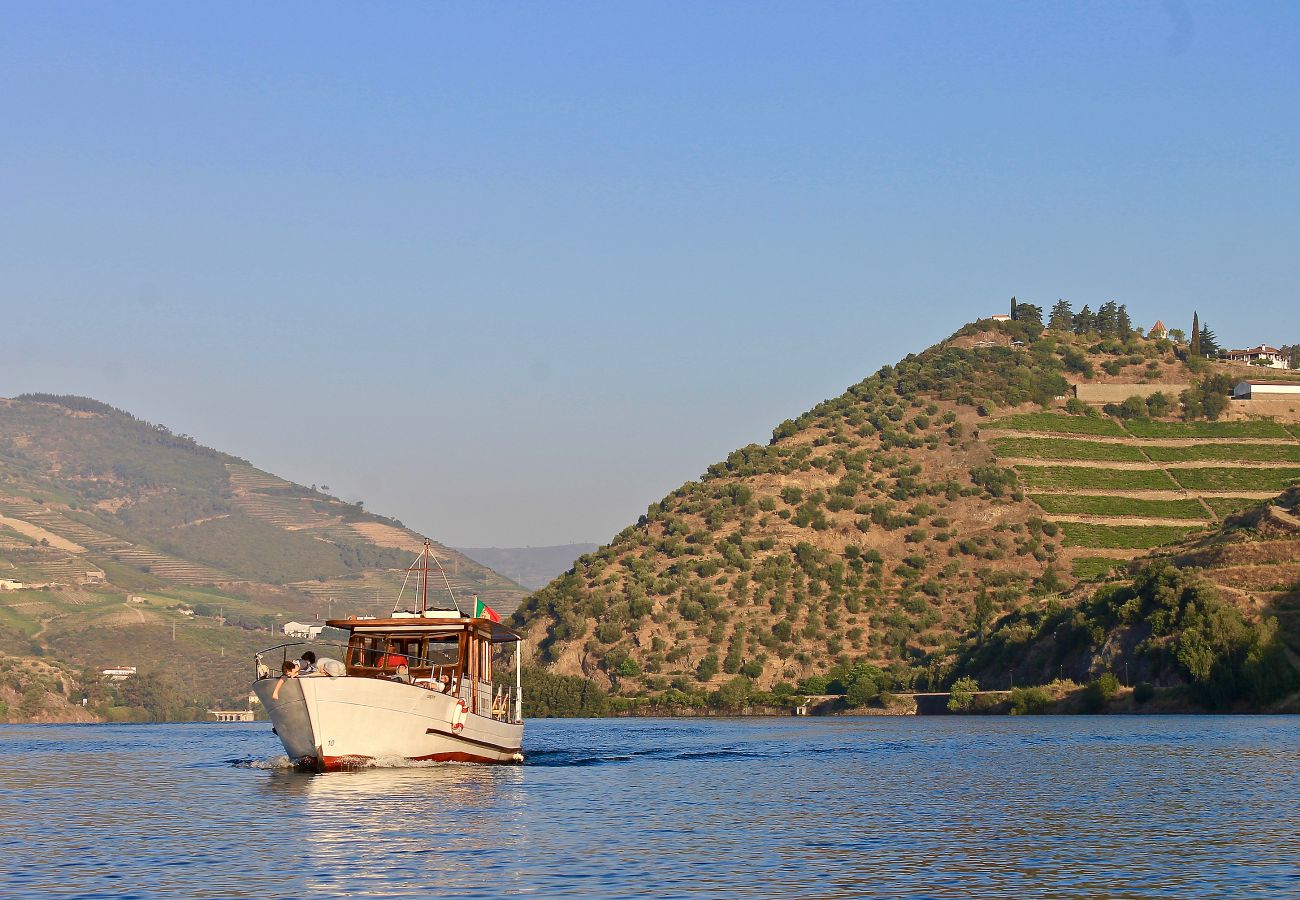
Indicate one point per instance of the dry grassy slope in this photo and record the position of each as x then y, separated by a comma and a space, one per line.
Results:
899, 559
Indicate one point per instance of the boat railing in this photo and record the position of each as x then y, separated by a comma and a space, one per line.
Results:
496, 702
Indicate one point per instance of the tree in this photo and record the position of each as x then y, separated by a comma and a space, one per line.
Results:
1085, 321
1108, 319
963, 694
1029, 313
1014, 314
1159, 404
1195, 349
1133, 408
1208, 343
1062, 318
1177, 335
1124, 325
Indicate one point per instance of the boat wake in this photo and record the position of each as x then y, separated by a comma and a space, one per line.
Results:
596, 758
271, 763
282, 763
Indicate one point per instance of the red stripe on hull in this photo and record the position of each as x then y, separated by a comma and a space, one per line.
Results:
343, 763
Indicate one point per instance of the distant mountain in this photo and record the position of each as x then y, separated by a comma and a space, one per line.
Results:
887, 529
122, 543
533, 567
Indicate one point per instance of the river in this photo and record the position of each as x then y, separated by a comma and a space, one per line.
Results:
943, 806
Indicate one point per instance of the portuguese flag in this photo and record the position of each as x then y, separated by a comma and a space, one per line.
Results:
483, 611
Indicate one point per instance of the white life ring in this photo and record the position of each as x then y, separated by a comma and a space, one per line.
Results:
458, 713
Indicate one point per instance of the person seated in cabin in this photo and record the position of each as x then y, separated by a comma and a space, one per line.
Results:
323, 666
288, 670
391, 657
403, 674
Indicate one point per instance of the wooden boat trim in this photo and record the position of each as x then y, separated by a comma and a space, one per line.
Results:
469, 740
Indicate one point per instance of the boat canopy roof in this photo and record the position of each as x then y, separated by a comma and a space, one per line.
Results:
445, 623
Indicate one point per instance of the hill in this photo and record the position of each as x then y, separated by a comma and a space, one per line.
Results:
1217, 613
887, 526
532, 567
122, 543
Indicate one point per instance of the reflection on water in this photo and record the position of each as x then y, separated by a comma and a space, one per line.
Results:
942, 807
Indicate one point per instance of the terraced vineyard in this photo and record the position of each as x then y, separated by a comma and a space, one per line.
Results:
1124, 487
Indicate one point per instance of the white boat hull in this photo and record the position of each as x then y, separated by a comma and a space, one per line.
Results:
335, 723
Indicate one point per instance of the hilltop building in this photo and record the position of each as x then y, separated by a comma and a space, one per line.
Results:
1267, 390
300, 630
1158, 331
1271, 355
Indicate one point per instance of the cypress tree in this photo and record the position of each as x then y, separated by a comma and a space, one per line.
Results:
1014, 315
1195, 348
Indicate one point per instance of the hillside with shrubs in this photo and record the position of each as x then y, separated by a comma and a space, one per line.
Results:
880, 536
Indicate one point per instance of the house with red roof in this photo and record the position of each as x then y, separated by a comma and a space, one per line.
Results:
1264, 354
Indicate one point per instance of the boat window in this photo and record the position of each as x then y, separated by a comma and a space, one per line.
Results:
439, 650
443, 651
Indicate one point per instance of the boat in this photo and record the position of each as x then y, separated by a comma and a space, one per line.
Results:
415, 686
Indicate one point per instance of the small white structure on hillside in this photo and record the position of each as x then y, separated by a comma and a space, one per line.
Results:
7, 584
1274, 357
118, 673
1158, 331
301, 630
1266, 390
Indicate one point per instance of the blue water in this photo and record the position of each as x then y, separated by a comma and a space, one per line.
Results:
858, 807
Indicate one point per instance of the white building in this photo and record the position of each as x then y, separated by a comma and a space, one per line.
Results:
1158, 331
118, 673
1271, 355
1266, 390
7, 584
301, 630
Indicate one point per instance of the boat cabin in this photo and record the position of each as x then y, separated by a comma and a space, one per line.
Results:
442, 651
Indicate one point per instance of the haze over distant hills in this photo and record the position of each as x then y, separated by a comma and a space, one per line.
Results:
532, 567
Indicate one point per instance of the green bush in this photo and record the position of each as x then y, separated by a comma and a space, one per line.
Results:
963, 694
1099, 692
1030, 701
1143, 692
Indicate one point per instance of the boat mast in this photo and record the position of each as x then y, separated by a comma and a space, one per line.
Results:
424, 578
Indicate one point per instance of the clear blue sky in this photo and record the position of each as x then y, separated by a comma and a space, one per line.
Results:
510, 272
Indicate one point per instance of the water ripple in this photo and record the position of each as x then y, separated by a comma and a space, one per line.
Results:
931, 807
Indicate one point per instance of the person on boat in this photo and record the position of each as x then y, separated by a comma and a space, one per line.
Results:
288, 670
444, 684
391, 657
322, 666
307, 664
403, 674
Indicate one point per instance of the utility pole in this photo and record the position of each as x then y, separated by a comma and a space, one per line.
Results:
173, 629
